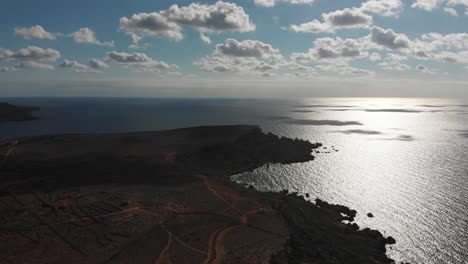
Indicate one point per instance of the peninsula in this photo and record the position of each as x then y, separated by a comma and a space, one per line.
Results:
9, 112
166, 197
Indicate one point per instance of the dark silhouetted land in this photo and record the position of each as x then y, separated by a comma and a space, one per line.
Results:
9, 112
165, 197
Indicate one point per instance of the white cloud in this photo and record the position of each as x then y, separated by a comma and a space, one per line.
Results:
241, 65
332, 49
86, 35
33, 65
314, 26
451, 11
457, 2
375, 57
272, 3
433, 41
31, 57
140, 62
97, 64
6, 54
150, 25
218, 17
244, 57
205, 38
27, 65
389, 39
347, 18
424, 69
300, 2
429, 5
394, 62
33, 53
77, 67
36, 31
452, 57
265, 3
343, 69
356, 17
382, 7
246, 48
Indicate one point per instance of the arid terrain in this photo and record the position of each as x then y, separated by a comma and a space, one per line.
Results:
165, 197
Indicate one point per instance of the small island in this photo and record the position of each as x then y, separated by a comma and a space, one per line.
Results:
14, 113
166, 197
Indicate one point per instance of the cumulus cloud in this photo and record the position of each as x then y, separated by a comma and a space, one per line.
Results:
97, 64
389, 39
347, 18
33, 53
433, 41
382, 7
452, 57
332, 49
246, 57
6, 54
140, 62
272, 3
375, 57
150, 25
356, 17
241, 65
429, 5
424, 69
394, 62
336, 54
31, 57
34, 65
265, 3
218, 17
457, 2
77, 67
36, 31
246, 48
451, 11
86, 35
205, 38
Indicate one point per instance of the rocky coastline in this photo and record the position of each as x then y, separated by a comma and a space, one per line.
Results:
166, 197
14, 113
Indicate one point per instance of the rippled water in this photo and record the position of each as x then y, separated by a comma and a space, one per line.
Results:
404, 160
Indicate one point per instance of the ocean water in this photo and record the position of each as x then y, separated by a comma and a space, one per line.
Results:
404, 160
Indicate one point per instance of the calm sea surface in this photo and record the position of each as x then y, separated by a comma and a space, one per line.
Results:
404, 160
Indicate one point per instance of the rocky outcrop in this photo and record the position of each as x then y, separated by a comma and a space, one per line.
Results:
9, 112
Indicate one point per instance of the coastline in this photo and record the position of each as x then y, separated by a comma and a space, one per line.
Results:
167, 182
15, 113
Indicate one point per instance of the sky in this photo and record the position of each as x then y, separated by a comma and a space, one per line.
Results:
246, 48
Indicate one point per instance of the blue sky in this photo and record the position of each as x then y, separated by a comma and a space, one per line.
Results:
270, 48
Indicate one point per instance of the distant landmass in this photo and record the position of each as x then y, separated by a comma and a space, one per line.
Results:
11, 113
166, 197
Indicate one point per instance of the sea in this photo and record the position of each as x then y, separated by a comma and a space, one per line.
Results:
405, 160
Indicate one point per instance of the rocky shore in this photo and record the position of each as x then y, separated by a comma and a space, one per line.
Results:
166, 197
10, 113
